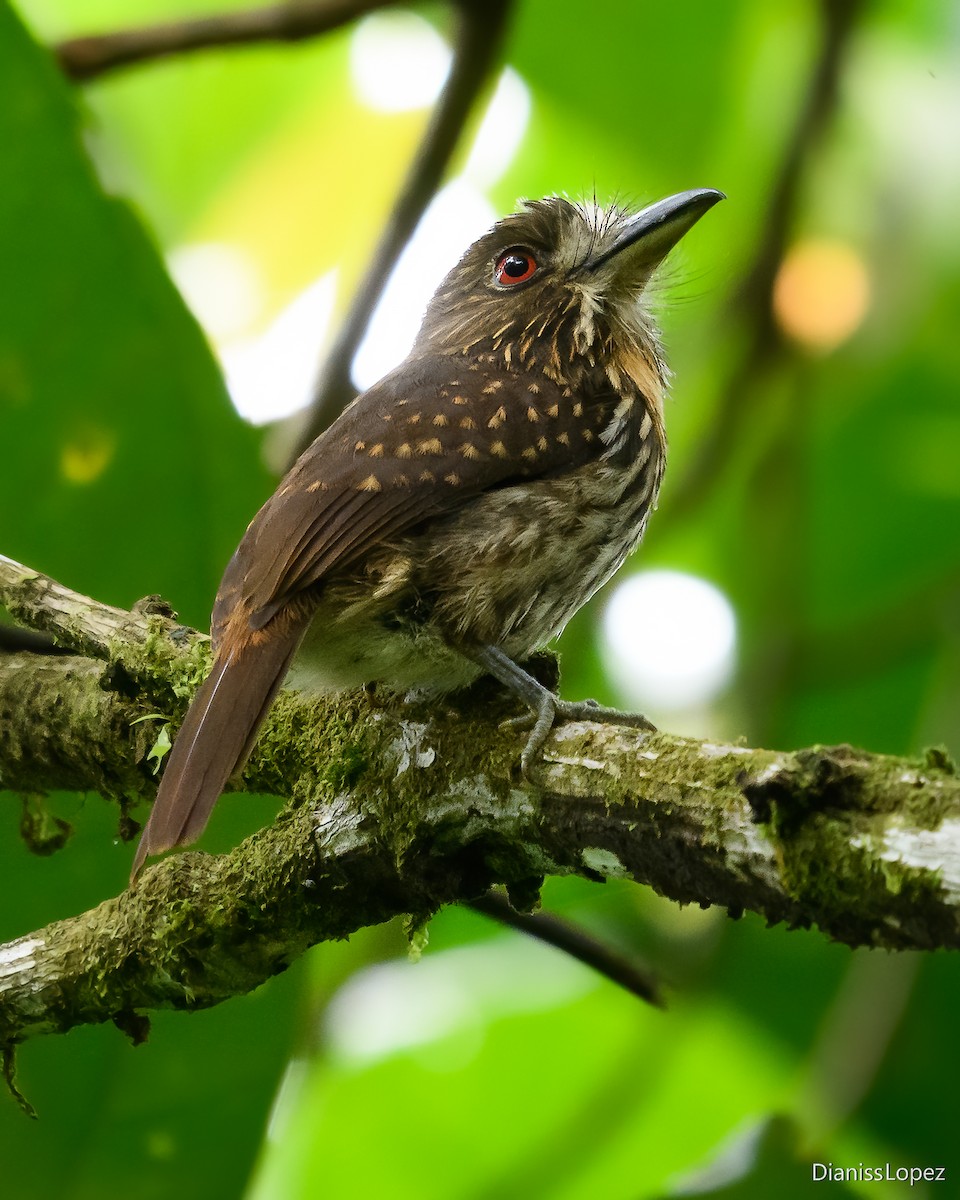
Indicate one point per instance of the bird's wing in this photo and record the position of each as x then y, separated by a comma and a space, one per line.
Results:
419, 443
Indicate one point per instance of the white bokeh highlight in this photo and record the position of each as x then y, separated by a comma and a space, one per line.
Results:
501, 131
669, 640
272, 376
398, 1006
398, 62
221, 285
456, 216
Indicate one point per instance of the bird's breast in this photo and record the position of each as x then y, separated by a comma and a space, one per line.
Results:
514, 565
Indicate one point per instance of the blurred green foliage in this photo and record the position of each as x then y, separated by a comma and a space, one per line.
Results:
831, 522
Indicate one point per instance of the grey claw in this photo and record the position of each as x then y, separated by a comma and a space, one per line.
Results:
551, 710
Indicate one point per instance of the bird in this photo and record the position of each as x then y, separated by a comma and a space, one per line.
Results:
457, 514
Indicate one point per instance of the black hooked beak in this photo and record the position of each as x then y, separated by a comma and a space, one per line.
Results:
655, 230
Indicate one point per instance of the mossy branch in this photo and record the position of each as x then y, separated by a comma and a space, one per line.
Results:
402, 809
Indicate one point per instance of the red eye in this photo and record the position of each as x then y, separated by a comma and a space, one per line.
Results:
514, 266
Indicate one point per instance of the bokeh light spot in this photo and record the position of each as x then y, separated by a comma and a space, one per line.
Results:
456, 216
220, 284
273, 375
398, 61
392, 1007
821, 293
501, 131
669, 640
87, 455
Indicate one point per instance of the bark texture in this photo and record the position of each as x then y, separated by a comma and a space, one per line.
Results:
398, 808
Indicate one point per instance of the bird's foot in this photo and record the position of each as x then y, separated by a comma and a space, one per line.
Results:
546, 709
550, 710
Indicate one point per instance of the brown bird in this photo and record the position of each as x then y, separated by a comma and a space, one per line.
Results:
458, 513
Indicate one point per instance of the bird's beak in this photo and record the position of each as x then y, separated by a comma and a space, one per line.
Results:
641, 244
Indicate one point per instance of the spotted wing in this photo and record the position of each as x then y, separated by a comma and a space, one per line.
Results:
420, 443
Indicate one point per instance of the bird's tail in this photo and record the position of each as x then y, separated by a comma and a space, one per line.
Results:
219, 731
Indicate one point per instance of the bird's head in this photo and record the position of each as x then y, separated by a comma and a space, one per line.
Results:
559, 286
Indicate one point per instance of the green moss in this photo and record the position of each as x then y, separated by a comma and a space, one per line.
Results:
180, 668
344, 772
857, 896
938, 758
416, 929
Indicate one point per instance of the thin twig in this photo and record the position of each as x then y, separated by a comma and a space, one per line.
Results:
481, 27
577, 942
751, 306
14, 640
85, 58
482, 23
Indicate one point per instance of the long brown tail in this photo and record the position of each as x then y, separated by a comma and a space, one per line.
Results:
218, 732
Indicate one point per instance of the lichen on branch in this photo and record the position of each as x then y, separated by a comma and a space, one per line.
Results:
401, 808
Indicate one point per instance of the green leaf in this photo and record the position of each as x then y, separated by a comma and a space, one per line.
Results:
125, 472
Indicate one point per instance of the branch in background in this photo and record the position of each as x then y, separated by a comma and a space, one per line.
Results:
548, 927
765, 345
14, 640
86, 58
482, 23
481, 27
402, 809
853, 1040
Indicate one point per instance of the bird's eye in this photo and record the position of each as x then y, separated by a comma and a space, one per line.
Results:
514, 266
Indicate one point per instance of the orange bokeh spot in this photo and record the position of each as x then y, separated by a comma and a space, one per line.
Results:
821, 293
